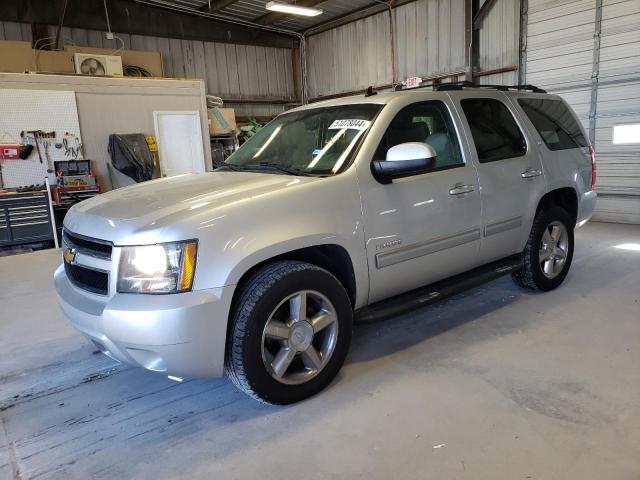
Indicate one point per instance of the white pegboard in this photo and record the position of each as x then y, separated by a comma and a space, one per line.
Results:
47, 110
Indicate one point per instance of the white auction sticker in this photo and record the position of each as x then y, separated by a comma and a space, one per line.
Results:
350, 124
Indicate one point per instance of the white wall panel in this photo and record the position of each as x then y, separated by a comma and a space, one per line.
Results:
560, 58
618, 103
109, 105
560, 43
620, 43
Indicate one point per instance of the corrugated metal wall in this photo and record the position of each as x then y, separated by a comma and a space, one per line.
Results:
618, 102
560, 58
237, 72
349, 57
560, 50
499, 42
15, 31
429, 38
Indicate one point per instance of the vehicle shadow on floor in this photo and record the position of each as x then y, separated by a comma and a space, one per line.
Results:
391, 335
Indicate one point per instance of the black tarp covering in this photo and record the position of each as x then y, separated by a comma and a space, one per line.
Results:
130, 155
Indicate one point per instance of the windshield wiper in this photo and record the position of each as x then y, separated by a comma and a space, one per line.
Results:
235, 168
280, 168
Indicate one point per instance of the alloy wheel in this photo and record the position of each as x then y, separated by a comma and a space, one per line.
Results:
299, 337
554, 249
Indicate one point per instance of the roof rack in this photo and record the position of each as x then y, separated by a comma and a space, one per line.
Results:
504, 88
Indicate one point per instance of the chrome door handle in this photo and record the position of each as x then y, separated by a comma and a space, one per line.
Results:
531, 173
460, 189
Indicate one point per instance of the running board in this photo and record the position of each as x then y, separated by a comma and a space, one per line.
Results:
423, 296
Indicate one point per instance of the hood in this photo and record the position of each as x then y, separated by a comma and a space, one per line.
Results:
148, 212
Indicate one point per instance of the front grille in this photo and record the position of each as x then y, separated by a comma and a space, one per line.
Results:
87, 279
95, 248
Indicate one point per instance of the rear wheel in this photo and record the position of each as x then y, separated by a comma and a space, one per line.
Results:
546, 258
290, 332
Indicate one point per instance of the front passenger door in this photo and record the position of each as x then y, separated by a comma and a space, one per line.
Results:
425, 227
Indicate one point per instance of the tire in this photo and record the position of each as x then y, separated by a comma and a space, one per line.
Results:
534, 274
254, 352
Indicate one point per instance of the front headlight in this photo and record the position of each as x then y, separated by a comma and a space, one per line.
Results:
162, 268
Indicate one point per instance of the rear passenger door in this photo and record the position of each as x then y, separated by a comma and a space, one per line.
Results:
509, 172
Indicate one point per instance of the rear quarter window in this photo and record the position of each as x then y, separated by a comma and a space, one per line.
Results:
555, 123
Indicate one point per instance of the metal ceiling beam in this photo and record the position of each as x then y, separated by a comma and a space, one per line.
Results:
214, 6
132, 17
273, 17
483, 12
354, 16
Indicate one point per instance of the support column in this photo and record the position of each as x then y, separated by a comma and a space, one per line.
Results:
595, 73
468, 39
522, 42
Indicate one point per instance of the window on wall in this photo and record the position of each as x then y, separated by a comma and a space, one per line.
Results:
425, 122
554, 122
626, 134
495, 132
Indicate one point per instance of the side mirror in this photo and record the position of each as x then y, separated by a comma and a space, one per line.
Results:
404, 160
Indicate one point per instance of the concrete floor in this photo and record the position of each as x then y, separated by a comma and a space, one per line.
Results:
496, 383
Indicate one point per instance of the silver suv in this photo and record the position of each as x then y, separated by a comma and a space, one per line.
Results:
327, 215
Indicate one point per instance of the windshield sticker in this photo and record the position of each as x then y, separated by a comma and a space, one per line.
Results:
350, 124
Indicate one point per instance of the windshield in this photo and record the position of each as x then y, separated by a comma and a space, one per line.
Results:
320, 141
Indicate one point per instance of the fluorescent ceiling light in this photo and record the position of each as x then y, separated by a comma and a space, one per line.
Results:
292, 9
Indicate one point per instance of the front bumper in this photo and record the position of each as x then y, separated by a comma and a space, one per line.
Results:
182, 335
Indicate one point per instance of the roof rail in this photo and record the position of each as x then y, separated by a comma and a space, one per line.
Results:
505, 88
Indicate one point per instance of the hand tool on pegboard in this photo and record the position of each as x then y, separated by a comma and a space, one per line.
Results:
72, 146
36, 136
47, 141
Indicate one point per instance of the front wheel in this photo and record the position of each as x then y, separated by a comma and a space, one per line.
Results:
290, 332
548, 253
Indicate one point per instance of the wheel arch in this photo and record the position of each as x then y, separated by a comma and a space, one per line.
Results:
564, 197
332, 257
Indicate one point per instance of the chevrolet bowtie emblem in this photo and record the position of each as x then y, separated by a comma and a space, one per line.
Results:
69, 255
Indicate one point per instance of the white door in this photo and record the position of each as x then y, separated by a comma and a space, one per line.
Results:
422, 228
179, 139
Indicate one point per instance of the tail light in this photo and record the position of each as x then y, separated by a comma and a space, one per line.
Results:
592, 154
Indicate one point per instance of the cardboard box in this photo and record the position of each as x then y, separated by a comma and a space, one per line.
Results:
54, 62
222, 121
16, 57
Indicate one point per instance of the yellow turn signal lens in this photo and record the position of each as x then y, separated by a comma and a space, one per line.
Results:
188, 265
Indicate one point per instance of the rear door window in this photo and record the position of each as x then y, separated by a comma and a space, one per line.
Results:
495, 132
555, 123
